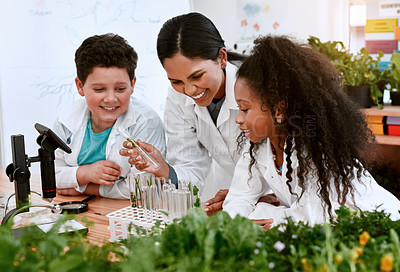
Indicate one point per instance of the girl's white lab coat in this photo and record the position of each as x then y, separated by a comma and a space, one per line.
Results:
71, 128
196, 148
244, 192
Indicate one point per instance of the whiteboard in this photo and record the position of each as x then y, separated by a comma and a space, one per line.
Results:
39, 40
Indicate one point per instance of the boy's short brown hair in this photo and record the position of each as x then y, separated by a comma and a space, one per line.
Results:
106, 50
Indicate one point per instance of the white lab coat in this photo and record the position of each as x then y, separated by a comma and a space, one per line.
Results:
244, 192
196, 148
71, 128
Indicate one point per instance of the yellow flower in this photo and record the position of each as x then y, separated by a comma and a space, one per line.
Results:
355, 253
338, 259
387, 263
364, 237
305, 265
324, 268
359, 251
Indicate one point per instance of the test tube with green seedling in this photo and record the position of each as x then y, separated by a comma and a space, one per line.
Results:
146, 156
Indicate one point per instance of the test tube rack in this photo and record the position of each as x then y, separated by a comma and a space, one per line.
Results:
120, 221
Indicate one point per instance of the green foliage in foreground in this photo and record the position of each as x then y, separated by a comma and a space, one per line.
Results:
367, 242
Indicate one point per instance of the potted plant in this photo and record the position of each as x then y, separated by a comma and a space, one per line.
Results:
355, 77
395, 79
360, 72
377, 79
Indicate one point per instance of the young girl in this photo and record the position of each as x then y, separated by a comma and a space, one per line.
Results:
305, 136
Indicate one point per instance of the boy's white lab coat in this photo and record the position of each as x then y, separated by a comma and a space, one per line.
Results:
196, 148
244, 192
71, 128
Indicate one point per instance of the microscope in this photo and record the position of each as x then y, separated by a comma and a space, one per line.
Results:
18, 171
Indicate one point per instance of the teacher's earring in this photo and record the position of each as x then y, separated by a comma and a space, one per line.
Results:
279, 120
223, 66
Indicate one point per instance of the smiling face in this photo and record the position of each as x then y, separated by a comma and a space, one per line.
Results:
257, 123
107, 91
202, 80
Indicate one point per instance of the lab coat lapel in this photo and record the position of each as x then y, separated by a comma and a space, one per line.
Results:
229, 103
203, 114
210, 136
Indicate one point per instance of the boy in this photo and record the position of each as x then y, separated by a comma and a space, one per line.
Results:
105, 78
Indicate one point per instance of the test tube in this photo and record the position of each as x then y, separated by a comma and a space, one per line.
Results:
153, 195
159, 182
192, 196
182, 203
177, 198
146, 156
189, 199
165, 200
145, 190
138, 192
171, 202
132, 191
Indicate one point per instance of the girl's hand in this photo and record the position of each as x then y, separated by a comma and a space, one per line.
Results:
100, 172
213, 205
136, 159
271, 199
265, 223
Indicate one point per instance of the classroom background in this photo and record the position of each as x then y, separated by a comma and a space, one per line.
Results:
39, 39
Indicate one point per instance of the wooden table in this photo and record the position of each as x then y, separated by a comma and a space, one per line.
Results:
98, 207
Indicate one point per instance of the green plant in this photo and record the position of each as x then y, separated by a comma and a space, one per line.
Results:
394, 78
38, 251
351, 242
334, 50
356, 70
363, 70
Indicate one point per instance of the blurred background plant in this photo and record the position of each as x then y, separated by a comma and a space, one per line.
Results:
394, 79
359, 69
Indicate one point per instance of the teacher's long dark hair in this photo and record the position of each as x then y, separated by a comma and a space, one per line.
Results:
323, 125
194, 36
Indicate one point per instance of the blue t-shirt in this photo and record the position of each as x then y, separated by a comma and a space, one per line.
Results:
94, 145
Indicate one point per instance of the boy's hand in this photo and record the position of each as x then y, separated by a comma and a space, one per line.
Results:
68, 192
91, 189
265, 223
100, 172
213, 205
136, 159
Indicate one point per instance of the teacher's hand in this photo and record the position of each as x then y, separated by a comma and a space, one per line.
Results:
136, 159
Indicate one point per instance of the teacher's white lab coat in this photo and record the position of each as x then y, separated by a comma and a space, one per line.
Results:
196, 148
245, 192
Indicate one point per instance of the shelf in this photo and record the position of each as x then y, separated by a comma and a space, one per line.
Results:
388, 139
388, 110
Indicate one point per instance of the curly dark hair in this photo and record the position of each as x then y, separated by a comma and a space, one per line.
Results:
322, 124
106, 50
